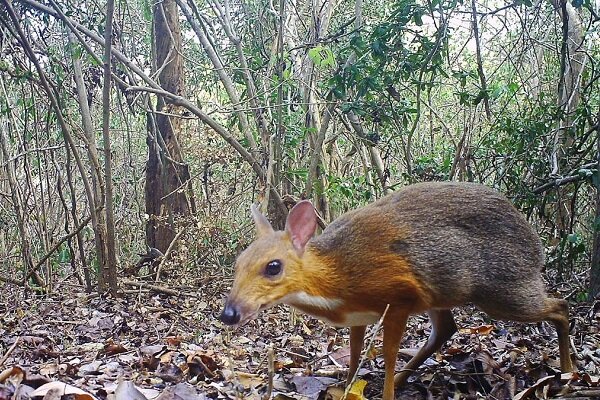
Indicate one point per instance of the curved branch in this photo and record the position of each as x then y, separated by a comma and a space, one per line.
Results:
157, 89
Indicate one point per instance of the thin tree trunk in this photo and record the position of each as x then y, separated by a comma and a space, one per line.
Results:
109, 272
226, 80
84, 262
276, 149
18, 209
57, 110
572, 59
97, 202
376, 160
482, 80
595, 267
315, 159
63, 200
166, 173
261, 121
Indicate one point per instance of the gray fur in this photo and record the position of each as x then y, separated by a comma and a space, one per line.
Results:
464, 240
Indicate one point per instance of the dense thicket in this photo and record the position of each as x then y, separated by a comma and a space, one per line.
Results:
336, 101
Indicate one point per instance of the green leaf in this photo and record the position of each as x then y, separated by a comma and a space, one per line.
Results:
64, 256
147, 11
418, 19
483, 94
322, 56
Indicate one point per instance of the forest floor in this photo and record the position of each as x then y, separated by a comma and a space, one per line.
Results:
150, 345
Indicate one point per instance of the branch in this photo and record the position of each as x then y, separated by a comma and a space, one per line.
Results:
480, 72
159, 289
59, 116
157, 89
226, 80
224, 133
108, 271
167, 254
82, 225
9, 352
564, 180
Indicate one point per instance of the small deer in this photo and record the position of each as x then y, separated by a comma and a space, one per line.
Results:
428, 247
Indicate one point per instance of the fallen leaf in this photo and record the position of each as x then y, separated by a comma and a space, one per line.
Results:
479, 330
62, 389
357, 389
14, 374
341, 356
126, 390
355, 392
311, 385
545, 381
112, 348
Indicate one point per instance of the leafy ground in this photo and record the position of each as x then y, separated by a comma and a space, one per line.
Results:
171, 346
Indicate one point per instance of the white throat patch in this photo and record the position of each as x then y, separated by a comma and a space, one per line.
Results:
304, 299
300, 299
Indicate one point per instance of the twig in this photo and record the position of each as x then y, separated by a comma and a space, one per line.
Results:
236, 378
204, 367
167, 253
563, 181
271, 365
366, 351
40, 262
581, 394
12, 348
295, 354
160, 289
11, 280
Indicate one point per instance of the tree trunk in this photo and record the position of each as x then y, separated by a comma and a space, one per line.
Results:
107, 278
572, 60
96, 195
167, 177
482, 80
595, 267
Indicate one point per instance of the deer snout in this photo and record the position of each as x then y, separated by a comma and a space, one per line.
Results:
230, 315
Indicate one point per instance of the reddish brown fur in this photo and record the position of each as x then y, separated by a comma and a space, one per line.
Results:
428, 247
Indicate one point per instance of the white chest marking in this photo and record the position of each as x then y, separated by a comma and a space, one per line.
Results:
304, 299
361, 318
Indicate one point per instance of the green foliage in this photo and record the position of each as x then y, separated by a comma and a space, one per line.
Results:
409, 75
322, 56
390, 54
347, 193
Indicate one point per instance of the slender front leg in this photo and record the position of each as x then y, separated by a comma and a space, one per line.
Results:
442, 329
393, 329
357, 335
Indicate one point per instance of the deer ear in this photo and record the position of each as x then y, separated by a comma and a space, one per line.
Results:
301, 224
263, 227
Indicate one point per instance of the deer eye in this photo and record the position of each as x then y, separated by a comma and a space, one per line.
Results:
273, 268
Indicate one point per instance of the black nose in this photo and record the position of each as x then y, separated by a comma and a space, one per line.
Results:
230, 315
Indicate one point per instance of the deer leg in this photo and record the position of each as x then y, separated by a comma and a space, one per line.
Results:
442, 329
357, 335
557, 312
393, 329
